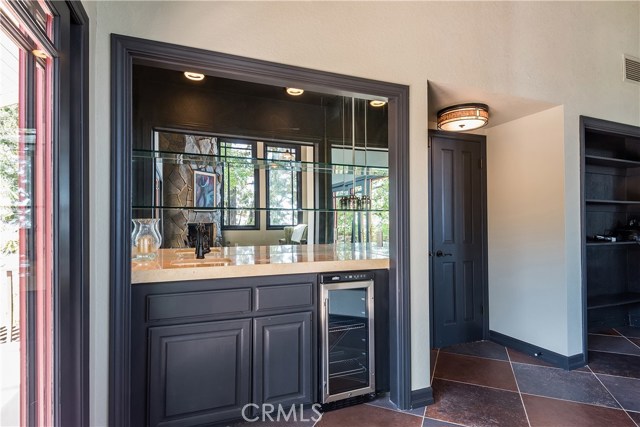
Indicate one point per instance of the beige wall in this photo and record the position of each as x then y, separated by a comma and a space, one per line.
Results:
564, 53
526, 239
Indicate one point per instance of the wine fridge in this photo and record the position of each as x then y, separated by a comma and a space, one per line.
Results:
347, 318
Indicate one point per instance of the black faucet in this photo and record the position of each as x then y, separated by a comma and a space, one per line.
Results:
202, 241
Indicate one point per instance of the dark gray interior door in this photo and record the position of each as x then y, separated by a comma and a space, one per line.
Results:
458, 211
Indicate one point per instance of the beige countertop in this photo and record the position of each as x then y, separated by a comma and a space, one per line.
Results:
245, 261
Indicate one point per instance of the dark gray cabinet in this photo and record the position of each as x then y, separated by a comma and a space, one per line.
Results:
283, 359
203, 349
199, 373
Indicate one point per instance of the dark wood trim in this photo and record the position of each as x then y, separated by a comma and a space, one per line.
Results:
399, 245
583, 239
482, 140
124, 51
422, 397
120, 245
598, 125
556, 359
72, 400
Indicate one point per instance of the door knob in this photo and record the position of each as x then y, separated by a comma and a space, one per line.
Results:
440, 253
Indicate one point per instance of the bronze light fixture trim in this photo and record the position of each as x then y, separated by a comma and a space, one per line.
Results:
463, 117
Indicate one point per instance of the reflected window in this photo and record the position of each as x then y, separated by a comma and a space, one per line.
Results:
284, 186
240, 183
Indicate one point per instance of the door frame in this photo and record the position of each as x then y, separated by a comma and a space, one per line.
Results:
482, 140
125, 51
71, 216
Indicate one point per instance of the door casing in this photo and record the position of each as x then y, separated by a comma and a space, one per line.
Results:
480, 139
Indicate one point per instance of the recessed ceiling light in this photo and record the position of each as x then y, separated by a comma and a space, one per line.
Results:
295, 91
194, 76
39, 53
463, 117
377, 103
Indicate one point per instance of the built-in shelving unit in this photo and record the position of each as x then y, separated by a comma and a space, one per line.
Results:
611, 209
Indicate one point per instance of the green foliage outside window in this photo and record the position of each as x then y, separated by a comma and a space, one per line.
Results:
239, 184
9, 169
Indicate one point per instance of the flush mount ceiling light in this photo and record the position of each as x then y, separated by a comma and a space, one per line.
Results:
463, 117
377, 103
295, 91
194, 76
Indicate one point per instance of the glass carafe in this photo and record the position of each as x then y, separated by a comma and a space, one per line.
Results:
145, 238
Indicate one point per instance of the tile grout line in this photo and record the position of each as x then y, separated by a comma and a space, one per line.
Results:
627, 338
618, 352
449, 422
399, 411
433, 375
574, 401
477, 357
606, 335
615, 376
477, 385
435, 365
515, 379
614, 398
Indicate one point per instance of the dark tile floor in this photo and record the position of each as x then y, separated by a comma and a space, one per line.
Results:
484, 384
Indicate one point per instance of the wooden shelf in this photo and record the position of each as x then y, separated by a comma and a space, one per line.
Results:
613, 300
611, 162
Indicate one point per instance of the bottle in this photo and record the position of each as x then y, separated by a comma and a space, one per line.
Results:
353, 200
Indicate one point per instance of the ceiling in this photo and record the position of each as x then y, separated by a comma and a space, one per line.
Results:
502, 108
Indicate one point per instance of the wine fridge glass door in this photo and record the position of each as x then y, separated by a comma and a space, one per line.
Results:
348, 340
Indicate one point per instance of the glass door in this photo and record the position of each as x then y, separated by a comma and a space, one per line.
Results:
26, 219
348, 340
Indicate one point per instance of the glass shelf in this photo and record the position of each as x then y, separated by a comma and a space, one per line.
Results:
325, 210
181, 158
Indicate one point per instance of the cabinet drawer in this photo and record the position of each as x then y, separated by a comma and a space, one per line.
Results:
284, 296
194, 304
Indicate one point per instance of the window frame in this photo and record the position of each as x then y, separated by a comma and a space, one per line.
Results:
298, 157
256, 185
69, 81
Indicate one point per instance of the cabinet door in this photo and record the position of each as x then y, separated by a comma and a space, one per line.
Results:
283, 363
199, 373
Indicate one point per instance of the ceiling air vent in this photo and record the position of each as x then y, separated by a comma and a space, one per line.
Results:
631, 69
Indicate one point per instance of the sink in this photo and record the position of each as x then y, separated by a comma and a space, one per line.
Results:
207, 262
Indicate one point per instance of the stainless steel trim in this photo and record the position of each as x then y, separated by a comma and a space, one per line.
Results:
324, 319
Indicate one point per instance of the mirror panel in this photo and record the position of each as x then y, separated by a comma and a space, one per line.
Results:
258, 166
